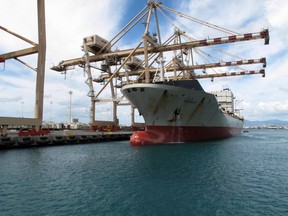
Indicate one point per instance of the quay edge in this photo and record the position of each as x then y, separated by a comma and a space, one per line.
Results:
54, 139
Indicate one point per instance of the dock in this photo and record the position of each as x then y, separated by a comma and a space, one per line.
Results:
57, 138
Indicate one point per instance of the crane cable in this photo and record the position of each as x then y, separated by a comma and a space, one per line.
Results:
210, 25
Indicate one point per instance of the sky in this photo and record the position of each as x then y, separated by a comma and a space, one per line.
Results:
68, 22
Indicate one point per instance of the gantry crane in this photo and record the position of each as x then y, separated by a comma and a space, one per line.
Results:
37, 48
146, 62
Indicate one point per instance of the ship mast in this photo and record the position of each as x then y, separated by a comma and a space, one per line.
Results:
154, 59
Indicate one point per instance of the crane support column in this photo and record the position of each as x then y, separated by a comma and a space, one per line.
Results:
41, 61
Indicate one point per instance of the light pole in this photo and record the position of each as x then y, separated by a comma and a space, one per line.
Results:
70, 114
22, 108
51, 111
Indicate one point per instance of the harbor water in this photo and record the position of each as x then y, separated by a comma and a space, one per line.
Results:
245, 175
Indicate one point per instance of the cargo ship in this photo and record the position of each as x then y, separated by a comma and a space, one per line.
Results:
160, 75
178, 110
181, 111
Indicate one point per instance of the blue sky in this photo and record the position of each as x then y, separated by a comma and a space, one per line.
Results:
67, 22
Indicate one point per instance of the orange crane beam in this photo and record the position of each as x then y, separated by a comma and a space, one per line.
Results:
239, 73
226, 74
20, 53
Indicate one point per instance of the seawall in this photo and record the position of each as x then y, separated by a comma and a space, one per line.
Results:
62, 138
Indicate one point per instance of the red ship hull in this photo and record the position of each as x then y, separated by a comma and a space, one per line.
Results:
167, 134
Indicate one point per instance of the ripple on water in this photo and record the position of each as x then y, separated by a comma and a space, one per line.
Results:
245, 175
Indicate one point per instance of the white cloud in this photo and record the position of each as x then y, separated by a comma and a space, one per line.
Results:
273, 106
273, 109
277, 17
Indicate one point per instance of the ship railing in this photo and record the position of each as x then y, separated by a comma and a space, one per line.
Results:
123, 83
232, 114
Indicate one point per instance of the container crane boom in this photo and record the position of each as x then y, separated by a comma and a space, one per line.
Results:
62, 66
181, 68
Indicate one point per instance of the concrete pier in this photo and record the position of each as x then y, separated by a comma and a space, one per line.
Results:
68, 137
